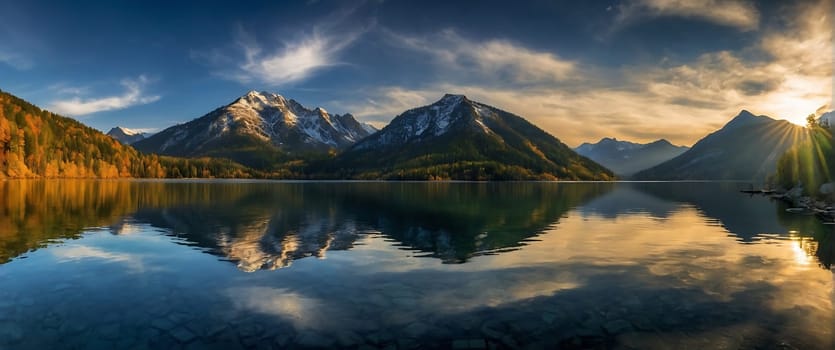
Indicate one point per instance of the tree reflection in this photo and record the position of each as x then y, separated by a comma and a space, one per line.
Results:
266, 225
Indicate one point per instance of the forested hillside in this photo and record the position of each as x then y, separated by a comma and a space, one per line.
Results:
456, 138
36, 143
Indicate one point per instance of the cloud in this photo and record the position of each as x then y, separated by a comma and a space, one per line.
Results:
133, 95
740, 14
15, 61
573, 117
495, 59
790, 77
386, 103
295, 61
680, 102
804, 46
295, 58
66, 89
785, 73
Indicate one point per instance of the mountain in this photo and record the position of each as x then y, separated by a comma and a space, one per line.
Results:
259, 129
125, 135
746, 148
626, 158
35, 143
457, 138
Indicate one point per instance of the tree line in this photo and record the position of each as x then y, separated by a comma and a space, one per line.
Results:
39, 144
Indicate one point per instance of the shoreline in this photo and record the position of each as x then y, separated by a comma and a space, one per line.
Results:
823, 210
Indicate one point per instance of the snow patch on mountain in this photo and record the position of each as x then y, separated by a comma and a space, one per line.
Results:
127, 136
448, 113
266, 117
370, 129
129, 132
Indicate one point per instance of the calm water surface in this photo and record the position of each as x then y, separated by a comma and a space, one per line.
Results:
236, 265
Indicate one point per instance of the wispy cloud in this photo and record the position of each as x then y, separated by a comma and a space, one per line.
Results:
574, 117
67, 89
133, 95
292, 62
681, 101
741, 14
296, 57
386, 102
496, 59
15, 61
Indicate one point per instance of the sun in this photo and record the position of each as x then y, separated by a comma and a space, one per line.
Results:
805, 98
794, 109
797, 120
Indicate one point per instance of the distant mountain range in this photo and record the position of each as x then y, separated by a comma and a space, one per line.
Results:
457, 138
126, 136
259, 129
454, 138
626, 158
746, 148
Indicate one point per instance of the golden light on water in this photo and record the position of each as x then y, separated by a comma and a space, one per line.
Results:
803, 249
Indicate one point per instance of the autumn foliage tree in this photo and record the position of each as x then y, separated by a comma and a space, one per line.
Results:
39, 144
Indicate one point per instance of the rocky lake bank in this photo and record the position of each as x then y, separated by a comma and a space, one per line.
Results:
823, 205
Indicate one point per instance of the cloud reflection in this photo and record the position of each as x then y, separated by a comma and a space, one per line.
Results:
78, 252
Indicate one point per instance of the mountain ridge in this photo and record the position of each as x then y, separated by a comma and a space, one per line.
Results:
746, 148
625, 157
458, 138
259, 129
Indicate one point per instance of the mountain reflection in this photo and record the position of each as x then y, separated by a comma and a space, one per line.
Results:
268, 225
275, 223
456, 221
749, 218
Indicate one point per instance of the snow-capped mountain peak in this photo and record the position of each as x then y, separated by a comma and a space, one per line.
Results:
450, 112
125, 135
454, 133
260, 100
451, 99
126, 131
269, 117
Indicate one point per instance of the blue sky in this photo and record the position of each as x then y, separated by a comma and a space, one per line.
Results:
633, 69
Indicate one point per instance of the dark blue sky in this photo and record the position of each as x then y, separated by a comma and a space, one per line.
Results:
582, 70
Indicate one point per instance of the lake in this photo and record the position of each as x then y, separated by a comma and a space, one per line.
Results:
372, 265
